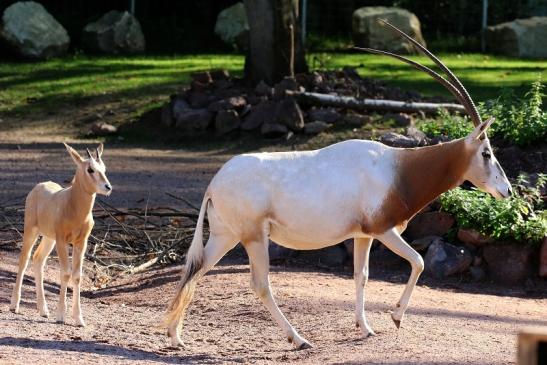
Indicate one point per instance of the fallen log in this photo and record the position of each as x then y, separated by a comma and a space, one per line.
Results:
350, 102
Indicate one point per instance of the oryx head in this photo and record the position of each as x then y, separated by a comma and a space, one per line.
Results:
91, 172
484, 171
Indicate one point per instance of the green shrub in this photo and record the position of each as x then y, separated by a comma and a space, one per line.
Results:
519, 120
446, 124
521, 218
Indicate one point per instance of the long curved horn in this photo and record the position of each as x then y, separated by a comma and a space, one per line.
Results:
420, 67
469, 105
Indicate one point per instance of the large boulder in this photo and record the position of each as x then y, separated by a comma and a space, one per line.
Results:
32, 32
368, 32
232, 26
114, 33
519, 38
443, 259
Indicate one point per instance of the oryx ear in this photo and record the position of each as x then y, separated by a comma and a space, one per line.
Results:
478, 132
99, 151
74, 154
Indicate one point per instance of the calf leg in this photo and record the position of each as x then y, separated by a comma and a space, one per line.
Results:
38, 262
260, 283
361, 250
395, 243
78, 252
29, 238
62, 252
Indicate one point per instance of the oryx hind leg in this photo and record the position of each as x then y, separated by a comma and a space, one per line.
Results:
257, 249
393, 240
29, 239
38, 263
218, 244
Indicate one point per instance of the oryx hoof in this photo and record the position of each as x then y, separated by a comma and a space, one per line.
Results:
396, 321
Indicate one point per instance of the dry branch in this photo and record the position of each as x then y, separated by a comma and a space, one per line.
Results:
350, 102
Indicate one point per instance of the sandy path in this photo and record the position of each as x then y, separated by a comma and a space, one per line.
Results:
227, 324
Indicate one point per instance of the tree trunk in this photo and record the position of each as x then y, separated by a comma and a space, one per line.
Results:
276, 48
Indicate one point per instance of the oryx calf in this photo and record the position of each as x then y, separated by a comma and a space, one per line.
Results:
61, 216
313, 199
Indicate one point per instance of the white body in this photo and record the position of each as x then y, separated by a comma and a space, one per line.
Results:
312, 198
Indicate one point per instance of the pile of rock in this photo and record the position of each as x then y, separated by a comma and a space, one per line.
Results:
216, 101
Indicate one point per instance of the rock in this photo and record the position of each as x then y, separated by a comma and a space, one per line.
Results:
273, 130
443, 259
398, 140
316, 127
288, 83
417, 135
474, 238
509, 263
327, 115
32, 32
103, 129
288, 112
356, 120
279, 253
235, 102
199, 99
333, 256
349, 244
167, 115
543, 259
232, 26
220, 74
178, 106
259, 114
115, 32
429, 224
477, 273
263, 89
368, 32
193, 121
401, 119
226, 121
519, 38
203, 77
423, 243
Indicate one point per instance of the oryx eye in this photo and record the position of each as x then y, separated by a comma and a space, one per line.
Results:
487, 155
90, 170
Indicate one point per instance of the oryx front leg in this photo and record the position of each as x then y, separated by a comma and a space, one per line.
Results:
361, 251
62, 252
38, 262
78, 252
260, 283
395, 243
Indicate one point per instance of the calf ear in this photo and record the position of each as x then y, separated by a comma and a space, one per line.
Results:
480, 130
100, 151
74, 154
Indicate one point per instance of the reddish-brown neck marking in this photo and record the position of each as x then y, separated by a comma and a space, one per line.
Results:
422, 174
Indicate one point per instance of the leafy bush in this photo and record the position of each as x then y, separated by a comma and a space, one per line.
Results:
446, 124
521, 218
520, 120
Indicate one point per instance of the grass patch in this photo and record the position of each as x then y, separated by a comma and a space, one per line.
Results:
47, 86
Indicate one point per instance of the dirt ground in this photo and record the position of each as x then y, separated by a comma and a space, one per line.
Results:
458, 323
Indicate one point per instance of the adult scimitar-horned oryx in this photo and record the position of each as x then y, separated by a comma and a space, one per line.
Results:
312, 199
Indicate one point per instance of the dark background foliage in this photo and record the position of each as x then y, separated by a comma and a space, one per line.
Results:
187, 26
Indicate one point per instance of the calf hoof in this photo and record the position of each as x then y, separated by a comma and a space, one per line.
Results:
304, 345
15, 310
299, 343
44, 314
80, 322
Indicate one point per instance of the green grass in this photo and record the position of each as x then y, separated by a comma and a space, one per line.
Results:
45, 86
